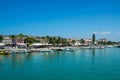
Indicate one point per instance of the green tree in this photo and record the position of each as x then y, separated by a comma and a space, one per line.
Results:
73, 41
1, 38
46, 39
65, 42
93, 38
29, 40
58, 40
13, 37
55, 40
21, 35
82, 41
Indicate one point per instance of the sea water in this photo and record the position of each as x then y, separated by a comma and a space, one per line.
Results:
83, 64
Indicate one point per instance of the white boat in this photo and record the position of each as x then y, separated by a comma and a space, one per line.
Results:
97, 47
110, 46
46, 50
67, 49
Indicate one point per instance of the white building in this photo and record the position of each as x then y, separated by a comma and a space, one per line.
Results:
87, 41
7, 41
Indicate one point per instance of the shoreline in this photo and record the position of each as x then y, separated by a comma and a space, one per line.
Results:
48, 49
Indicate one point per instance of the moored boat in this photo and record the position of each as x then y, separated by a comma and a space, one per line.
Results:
109, 46
4, 52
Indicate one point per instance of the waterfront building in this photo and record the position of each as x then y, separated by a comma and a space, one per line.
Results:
87, 41
21, 45
19, 40
7, 41
103, 40
71, 41
77, 43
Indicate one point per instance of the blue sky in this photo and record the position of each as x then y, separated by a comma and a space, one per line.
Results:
65, 18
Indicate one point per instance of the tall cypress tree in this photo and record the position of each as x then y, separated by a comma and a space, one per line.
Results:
93, 38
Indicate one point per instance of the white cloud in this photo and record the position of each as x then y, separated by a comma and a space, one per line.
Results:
102, 33
118, 32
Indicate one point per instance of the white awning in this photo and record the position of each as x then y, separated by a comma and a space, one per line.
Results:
37, 44
41, 44
46, 44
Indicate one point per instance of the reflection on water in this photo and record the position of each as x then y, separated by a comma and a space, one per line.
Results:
93, 55
19, 59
